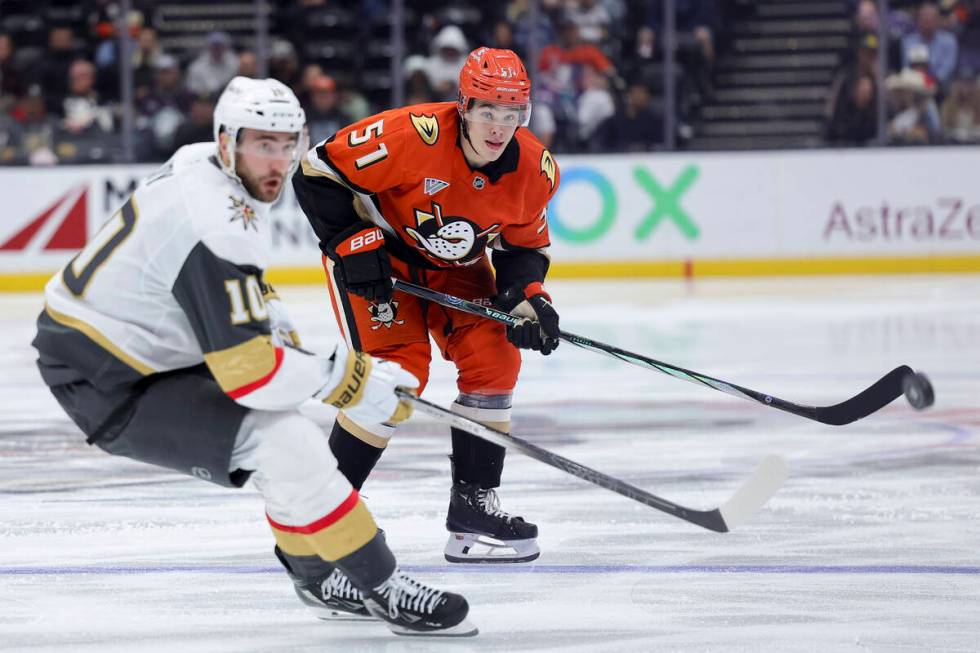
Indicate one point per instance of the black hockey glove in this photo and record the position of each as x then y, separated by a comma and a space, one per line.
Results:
360, 255
538, 330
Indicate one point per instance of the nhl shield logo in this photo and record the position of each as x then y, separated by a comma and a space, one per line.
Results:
385, 315
479, 182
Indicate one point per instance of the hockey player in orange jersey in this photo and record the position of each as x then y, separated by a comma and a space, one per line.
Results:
422, 193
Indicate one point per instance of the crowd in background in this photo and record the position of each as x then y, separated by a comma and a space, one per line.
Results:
599, 82
598, 86
932, 87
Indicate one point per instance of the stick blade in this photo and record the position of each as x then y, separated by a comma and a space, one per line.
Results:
767, 478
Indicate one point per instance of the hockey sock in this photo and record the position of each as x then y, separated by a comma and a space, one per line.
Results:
369, 566
475, 460
304, 567
355, 458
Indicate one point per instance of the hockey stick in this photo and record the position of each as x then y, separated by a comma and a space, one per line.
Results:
877, 396
747, 500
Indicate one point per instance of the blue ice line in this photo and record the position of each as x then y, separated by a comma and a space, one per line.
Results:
526, 569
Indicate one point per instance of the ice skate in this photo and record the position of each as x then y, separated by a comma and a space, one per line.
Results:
480, 532
411, 608
331, 597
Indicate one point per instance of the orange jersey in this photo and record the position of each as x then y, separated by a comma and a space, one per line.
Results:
409, 176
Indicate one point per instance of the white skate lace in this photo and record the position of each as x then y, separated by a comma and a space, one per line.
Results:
491, 504
403, 593
338, 584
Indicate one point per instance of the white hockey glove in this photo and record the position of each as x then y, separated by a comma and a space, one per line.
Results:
364, 388
283, 331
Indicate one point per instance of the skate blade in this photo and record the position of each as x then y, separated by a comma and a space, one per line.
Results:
462, 629
338, 615
481, 549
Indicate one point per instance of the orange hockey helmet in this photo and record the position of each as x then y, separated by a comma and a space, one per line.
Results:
495, 76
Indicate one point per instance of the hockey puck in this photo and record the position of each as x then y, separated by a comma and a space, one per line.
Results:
918, 390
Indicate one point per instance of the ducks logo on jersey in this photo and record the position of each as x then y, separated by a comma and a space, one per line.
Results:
451, 239
385, 315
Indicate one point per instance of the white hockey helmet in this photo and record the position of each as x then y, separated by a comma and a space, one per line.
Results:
264, 104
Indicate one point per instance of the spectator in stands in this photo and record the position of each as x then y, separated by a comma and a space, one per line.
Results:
918, 59
866, 18
560, 69
942, 46
311, 72
502, 37
915, 118
541, 31
635, 127
854, 120
961, 110
284, 64
595, 106
248, 64
417, 87
214, 66
448, 53
969, 36
543, 124
53, 73
148, 51
593, 20
199, 127
11, 79
83, 110
323, 115
165, 107
32, 137
695, 26
851, 109
107, 52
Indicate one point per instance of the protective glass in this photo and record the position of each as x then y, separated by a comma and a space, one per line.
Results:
501, 115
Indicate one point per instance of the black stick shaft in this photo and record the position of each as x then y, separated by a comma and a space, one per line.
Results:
877, 396
710, 519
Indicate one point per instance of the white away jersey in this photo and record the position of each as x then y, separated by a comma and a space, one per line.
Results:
174, 279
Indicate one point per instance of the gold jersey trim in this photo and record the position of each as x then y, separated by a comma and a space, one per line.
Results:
242, 364
339, 539
99, 338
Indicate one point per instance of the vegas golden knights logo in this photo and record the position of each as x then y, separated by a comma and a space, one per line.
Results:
427, 126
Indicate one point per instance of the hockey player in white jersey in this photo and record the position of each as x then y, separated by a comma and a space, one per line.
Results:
163, 342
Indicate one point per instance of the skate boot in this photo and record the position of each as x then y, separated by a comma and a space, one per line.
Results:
331, 597
479, 531
411, 608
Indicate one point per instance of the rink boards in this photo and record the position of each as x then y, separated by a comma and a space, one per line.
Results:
643, 215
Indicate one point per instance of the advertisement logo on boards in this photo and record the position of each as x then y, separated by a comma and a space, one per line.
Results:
665, 206
63, 225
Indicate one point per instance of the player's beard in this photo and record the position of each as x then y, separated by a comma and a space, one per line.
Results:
261, 188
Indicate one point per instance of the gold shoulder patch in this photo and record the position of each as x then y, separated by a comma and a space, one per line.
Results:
548, 167
427, 126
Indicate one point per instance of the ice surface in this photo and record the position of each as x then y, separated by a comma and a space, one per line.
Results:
873, 544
